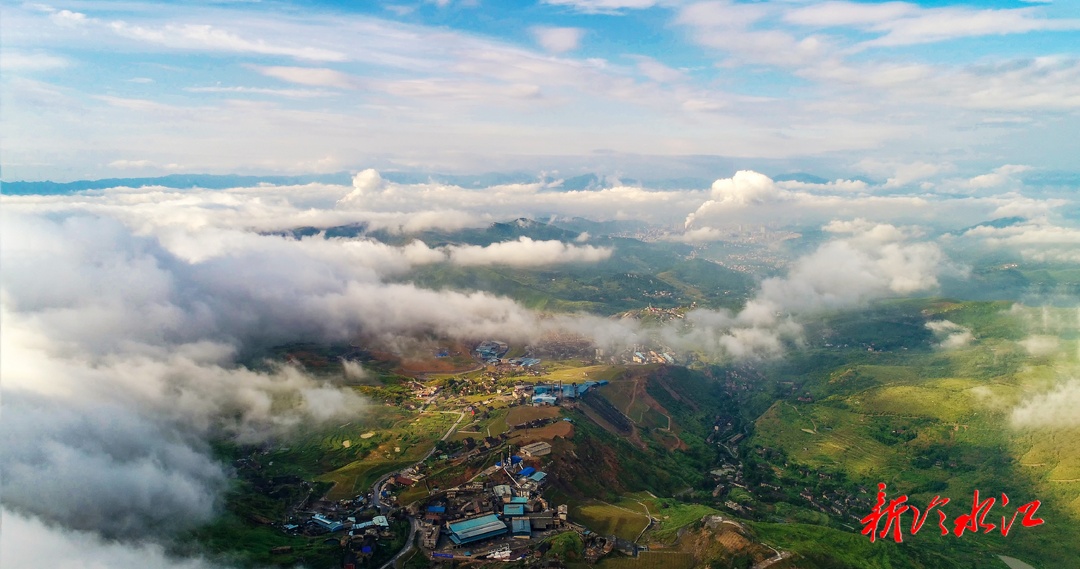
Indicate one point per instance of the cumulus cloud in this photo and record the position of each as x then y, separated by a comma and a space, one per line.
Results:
1037, 239
526, 252
1057, 408
871, 263
29, 542
365, 183
950, 335
752, 197
120, 357
999, 177
101, 467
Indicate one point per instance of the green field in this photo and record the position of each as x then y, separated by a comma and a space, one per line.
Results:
674, 516
934, 422
610, 519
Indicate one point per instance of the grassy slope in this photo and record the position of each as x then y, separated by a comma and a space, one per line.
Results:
930, 422
638, 274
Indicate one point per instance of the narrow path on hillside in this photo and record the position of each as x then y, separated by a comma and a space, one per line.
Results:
780, 556
647, 526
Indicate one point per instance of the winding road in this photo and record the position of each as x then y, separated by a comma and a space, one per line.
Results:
376, 492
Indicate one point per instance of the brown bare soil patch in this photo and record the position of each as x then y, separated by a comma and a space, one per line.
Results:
525, 413
560, 429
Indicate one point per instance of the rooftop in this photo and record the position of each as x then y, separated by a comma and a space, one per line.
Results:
521, 525
476, 529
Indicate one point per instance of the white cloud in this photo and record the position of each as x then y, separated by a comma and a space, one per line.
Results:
558, 40
1038, 239
1000, 176
604, 6
1057, 408
950, 335
751, 197
657, 71
15, 60
831, 14
241, 90
365, 183
738, 30
901, 23
526, 252
899, 174
67, 18
871, 264
313, 76
940, 24
28, 542
209, 37
1041, 345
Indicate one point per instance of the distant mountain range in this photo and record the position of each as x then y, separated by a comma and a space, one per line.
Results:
590, 181
224, 181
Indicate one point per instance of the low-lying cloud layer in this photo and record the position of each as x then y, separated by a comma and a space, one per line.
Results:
1056, 408
127, 314
871, 262
29, 542
950, 335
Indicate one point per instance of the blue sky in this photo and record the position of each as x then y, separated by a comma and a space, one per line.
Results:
104, 89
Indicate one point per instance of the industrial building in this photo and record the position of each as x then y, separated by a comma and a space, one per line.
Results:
521, 527
536, 449
550, 394
327, 524
490, 351
544, 399
476, 529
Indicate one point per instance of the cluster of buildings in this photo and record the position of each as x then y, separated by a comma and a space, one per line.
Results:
491, 351
552, 393
322, 517
652, 357
501, 507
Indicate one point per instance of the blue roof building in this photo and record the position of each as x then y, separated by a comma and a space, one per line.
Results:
538, 477
327, 524
544, 399
527, 471
519, 500
436, 509
521, 526
510, 510
476, 529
